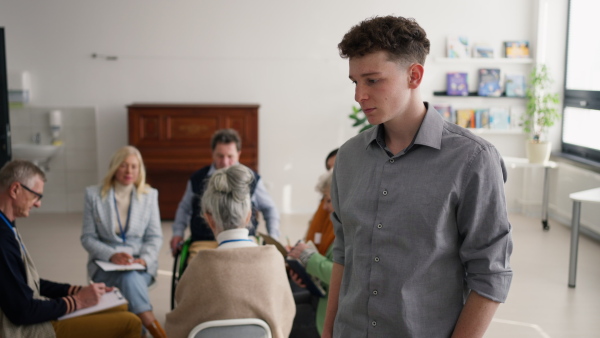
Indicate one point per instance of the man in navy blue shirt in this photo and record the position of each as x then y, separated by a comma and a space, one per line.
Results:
29, 305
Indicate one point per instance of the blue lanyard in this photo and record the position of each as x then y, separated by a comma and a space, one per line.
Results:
123, 232
9, 224
235, 240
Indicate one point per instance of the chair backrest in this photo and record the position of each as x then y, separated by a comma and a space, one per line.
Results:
232, 328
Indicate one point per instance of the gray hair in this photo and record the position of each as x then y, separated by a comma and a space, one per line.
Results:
324, 182
227, 197
19, 171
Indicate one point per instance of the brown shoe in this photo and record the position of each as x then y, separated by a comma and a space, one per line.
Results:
156, 330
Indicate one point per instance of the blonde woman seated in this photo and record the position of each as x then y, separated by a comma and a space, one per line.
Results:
238, 279
121, 224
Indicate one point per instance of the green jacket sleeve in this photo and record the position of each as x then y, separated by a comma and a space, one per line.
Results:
320, 266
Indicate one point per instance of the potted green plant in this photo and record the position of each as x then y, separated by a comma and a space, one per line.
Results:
541, 114
360, 120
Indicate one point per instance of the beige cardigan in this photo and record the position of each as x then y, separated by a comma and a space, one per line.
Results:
246, 282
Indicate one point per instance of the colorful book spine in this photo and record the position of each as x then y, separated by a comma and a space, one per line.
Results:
482, 118
465, 118
446, 112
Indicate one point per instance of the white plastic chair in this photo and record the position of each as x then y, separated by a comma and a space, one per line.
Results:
232, 328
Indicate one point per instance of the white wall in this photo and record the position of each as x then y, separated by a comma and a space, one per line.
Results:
74, 166
279, 54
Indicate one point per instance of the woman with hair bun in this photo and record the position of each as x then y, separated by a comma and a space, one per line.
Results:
239, 279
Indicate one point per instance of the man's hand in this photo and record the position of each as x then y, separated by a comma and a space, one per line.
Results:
176, 242
121, 258
90, 295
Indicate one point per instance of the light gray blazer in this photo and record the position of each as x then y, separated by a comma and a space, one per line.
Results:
144, 235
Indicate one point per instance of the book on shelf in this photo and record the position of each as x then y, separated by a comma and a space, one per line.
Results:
515, 85
465, 118
456, 84
489, 82
481, 50
516, 49
516, 114
457, 46
482, 118
446, 112
499, 118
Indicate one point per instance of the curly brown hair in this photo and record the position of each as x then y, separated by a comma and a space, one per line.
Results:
402, 38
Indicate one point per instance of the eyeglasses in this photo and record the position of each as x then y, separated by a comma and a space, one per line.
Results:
37, 194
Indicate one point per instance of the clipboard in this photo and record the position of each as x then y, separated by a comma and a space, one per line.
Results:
108, 300
108, 266
312, 284
270, 240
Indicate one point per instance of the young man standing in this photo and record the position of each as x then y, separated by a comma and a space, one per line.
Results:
423, 240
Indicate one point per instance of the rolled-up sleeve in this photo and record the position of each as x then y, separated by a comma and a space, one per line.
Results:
484, 226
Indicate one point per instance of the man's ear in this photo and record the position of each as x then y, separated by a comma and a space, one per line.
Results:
12, 189
210, 220
248, 218
415, 73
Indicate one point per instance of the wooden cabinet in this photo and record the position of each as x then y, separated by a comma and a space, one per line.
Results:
174, 140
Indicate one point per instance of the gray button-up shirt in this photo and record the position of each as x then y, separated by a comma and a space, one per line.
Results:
418, 230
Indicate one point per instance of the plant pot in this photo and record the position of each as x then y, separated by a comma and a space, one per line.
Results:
538, 152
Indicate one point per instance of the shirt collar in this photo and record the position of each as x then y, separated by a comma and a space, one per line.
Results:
429, 133
12, 223
211, 170
234, 234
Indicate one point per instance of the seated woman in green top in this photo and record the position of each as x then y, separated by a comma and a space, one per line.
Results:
316, 264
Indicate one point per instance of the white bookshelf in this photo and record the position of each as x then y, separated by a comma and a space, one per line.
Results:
484, 61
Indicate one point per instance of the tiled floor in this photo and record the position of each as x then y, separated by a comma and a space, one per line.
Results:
539, 304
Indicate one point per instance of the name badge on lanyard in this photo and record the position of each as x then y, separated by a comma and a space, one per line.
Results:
9, 224
317, 239
121, 229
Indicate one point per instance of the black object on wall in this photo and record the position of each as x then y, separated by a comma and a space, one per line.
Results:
5, 145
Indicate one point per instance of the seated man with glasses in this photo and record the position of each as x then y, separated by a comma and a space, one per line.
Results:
29, 305
38, 196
